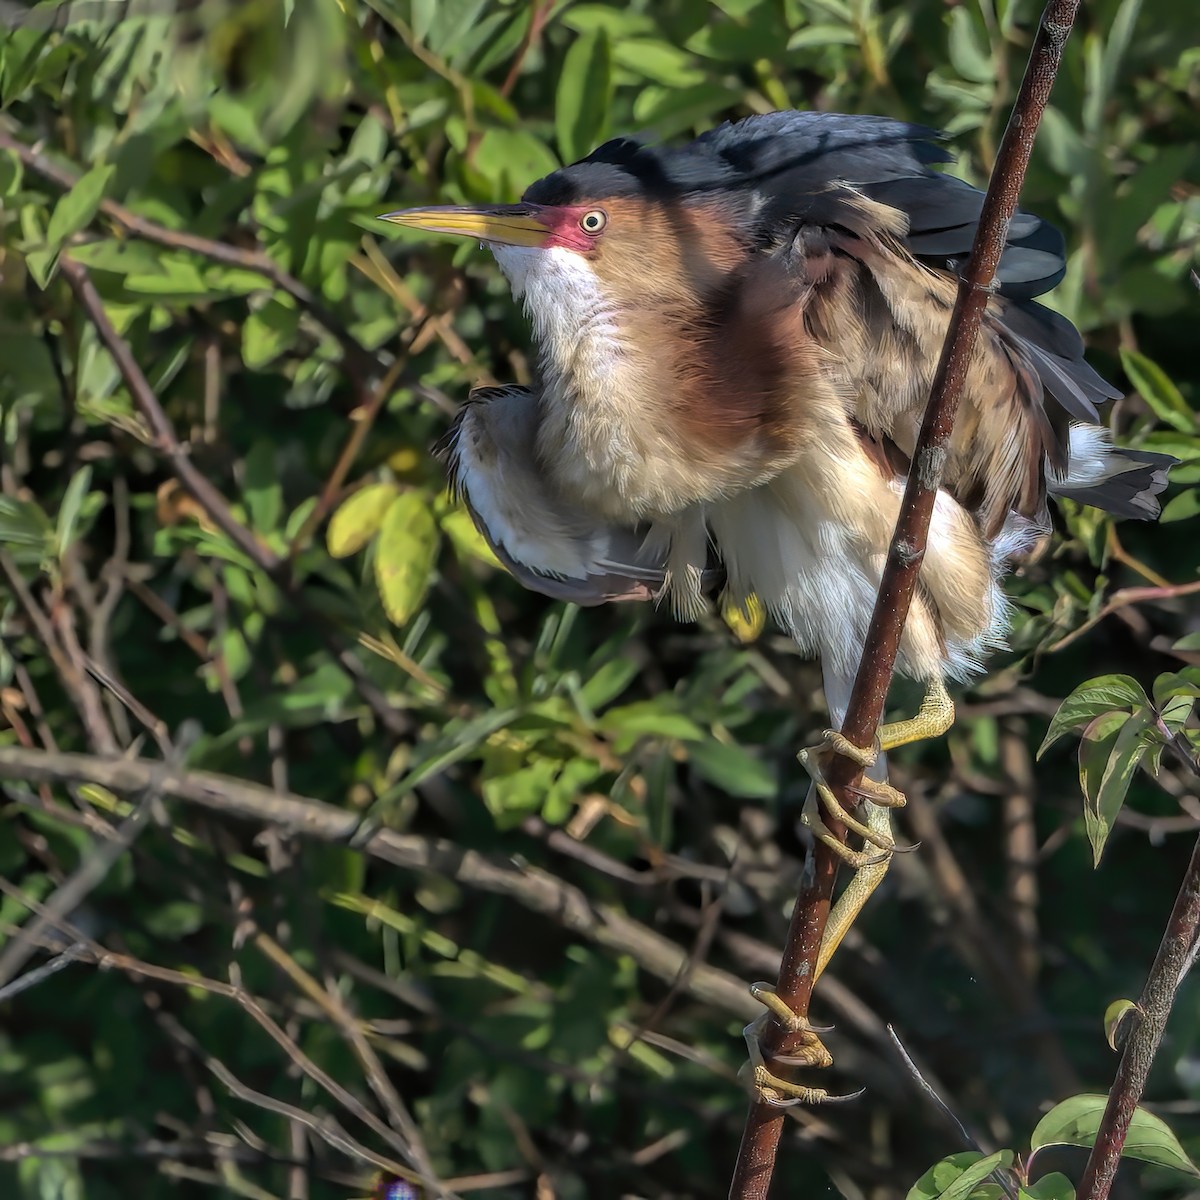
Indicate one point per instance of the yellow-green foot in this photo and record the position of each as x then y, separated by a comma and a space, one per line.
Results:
765, 1085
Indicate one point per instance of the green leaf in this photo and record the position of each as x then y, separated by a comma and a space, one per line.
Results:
405, 554
1155, 387
1054, 1186
267, 332
358, 519
466, 539
964, 1187
657, 61
462, 739
1182, 507
609, 681
733, 770
822, 35
650, 718
120, 257
618, 23
1103, 82
1089, 700
509, 158
174, 277
957, 1176
1176, 713
76, 209
264, 495
1109, 752
25, 531
68, 512
1173, 684
584, 96
1075, 1122
968, 47
175, 919
513, 795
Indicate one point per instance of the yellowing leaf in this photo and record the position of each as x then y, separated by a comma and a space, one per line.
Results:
1115, 1016
405, 459
465, 538
408, 542
358, 518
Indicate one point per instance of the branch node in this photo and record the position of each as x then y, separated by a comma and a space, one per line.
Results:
931, 462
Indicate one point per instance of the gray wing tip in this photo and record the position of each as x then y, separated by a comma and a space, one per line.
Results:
1131, 493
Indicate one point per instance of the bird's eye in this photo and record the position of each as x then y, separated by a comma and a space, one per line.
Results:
594, 221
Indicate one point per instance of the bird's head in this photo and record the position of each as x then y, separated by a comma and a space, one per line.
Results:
666, 352
614, 225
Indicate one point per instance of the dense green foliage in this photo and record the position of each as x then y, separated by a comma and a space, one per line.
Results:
567, 1008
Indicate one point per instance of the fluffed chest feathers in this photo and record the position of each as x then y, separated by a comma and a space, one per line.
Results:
645, 412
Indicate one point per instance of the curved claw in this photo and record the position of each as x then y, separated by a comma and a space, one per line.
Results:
852, 858
882, 794
774, 1092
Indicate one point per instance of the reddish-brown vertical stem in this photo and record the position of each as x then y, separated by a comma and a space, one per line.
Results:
1170, 966
764, 1125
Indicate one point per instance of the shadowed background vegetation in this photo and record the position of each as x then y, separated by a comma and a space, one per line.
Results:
532, 983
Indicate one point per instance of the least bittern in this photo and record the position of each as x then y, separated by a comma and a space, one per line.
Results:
736, 341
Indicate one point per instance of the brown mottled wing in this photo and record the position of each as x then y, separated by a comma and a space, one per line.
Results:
882, 314
875, 239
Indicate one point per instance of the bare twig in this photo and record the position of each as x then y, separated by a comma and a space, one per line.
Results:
360, 363
539, 10
362, 419
334, 1007
32, 978
215, 506
90, 873
166, 441
89, 950
1123, 599
80, 690
1175, 957
931, 1094
764, 1125
529, 886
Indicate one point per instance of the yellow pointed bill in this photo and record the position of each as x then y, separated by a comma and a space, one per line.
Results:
505, 224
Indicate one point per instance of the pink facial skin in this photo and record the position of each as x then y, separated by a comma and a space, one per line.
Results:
564, 223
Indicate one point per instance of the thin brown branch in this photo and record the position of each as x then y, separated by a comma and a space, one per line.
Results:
1123, 599
166, 441
1170, 966
764, 1125
362, 421
539, 10
1176, 955
89, 950
215, 506
528, 886
1020, 835
90, 873
360, 363
79, 688
334, 1008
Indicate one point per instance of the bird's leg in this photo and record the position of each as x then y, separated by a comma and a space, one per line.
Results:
934, 718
